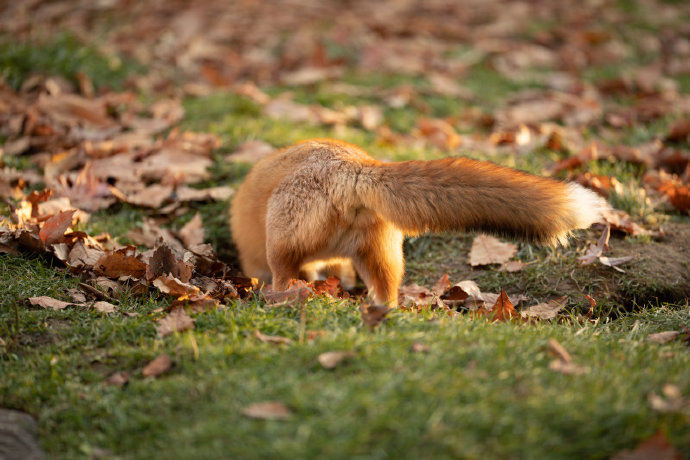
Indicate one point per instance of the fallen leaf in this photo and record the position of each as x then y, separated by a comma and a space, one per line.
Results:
309, 75
679, 131
118, 263
439, 133
418, 347
512, 266
285, 109
330, 286
546, 310
595, 250
48, 302
118, 379
489, 250
152, 196
463, 290
330, 359
502, 310
163, 261
158, 366
442, 285
251, 152
373, 315
76, 295
656, 447
620, 220
83, 256
370, 116
149, 234
54, 228
104, 307
168, 284
419, 295
615, 261
671, 401
563, 362
186, 193
176, 321
268, 410
192, 233
663, 337
298, 292
275, 339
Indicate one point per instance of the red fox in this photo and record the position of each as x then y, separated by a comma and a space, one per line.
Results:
326, 203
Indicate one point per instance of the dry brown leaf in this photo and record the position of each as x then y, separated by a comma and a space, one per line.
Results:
176, 321
563, 362
173, 166
152, 196
118, 379
613, 262
330, 286
192, 233
545, 310
620, 220
119, 263
310, 75
186, 193
54, 228
267, 410
331, 359
149, 234
163, 261
275, 339
418, 295
663, 337
158, 366
296, 293
168, 284
534, 111
104, 307
418, 347
595, 250
502, 310
656, 447
442, 285
463, 290
679, 131
48, 302
76, 295
489, 250
370, 116
285, 109
373, 315
512, 266
438, 132
671, 401
251, 152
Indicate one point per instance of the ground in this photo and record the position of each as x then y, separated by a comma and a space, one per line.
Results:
598, 94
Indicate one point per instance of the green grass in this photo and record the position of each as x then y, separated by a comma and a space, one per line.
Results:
64, 56
483, 390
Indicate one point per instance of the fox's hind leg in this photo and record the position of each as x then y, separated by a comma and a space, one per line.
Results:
379, 261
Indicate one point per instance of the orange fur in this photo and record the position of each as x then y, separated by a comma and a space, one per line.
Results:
328, 204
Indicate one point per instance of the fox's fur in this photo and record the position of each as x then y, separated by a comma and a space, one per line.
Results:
325, 202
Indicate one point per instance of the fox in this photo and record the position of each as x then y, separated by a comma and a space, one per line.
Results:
324, 206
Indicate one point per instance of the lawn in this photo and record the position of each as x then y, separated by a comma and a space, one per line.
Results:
426, 382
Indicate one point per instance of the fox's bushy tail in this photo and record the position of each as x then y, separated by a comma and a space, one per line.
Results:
465, 194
